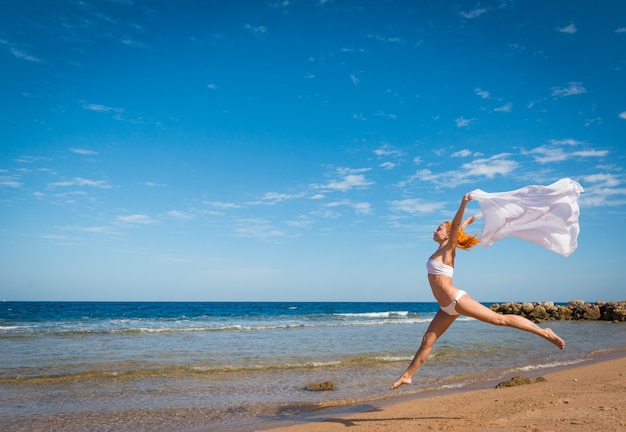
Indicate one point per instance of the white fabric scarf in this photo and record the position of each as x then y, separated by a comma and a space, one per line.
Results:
545, 215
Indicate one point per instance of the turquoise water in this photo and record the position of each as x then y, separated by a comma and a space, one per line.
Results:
253, 360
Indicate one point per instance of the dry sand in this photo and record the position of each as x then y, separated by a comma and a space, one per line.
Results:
585, 398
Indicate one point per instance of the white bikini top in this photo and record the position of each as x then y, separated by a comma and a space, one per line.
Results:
435, 267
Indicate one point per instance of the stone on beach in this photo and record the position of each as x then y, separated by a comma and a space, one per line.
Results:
321, 386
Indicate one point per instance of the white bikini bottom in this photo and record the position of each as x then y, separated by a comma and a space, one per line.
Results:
451, 308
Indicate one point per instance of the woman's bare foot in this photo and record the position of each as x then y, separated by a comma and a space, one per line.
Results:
401, 381
550, 336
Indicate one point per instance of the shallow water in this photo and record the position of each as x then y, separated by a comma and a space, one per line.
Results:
247, 361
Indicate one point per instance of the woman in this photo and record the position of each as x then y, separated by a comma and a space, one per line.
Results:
454, 301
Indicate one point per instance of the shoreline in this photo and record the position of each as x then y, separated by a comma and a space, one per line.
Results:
586, 396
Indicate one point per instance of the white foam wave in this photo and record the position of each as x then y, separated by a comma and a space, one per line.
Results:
389, 314
549, 365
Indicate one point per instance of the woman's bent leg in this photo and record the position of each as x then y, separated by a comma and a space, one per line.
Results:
437, 327
471, 308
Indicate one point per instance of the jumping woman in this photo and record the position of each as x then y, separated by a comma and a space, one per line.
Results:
455, 302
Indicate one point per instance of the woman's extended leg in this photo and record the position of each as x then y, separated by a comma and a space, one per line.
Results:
471, 308
437, 327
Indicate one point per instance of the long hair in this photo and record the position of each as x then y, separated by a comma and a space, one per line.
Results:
464, 240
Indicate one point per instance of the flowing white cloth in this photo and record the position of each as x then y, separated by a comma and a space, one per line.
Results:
545, 215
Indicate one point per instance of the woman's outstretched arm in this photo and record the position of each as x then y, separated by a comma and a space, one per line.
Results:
456, 222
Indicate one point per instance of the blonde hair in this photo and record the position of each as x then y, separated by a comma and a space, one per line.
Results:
463, 240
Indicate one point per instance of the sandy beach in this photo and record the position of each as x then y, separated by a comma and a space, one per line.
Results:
591, 397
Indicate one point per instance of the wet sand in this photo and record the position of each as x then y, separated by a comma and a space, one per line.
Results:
585, 398
590, 397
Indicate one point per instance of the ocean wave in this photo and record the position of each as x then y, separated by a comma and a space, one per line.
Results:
549, 365
389, 314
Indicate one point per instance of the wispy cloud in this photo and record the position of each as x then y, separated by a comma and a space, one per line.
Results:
102, 108
475, 13
23, 55
359, 208
568, 29
79, 181
622, 115
489, 167
496, 165
10, 182
136, 219
602, 190
574, 88
272, 198
555, 152
463, 122
348, 179
81, 151
414, 206
508, 107
257, 228
482, 93
223, 205
388, 150
255, 30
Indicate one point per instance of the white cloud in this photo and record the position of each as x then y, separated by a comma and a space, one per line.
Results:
79, 181
178, 215
83, 151
136, 219
102, 108
566, 141
212, 86
504, 108
462, 153
355, 80
9, 182
223, 205
388, 165
473, 13
620, 30
489, 167
601, 190
362, 208
463, 122
255, 30
568, 29
622, 115
387, 150
271, 198
547, 154
22, 55
257, 228
605, 179
414, 205
482, 93
349, 179
574, 88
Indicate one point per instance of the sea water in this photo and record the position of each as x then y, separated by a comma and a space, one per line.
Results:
243, 361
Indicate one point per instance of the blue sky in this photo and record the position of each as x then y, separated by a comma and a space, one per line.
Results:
302, 149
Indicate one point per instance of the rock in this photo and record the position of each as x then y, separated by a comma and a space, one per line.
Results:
574, 310
322, 386
519, 380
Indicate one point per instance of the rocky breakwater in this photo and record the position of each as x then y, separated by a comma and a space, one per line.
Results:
574, 310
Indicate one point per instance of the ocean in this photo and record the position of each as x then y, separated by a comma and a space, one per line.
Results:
244, 366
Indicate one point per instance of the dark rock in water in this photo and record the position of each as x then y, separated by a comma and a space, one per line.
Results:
574, 310
519, 380
323, 386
